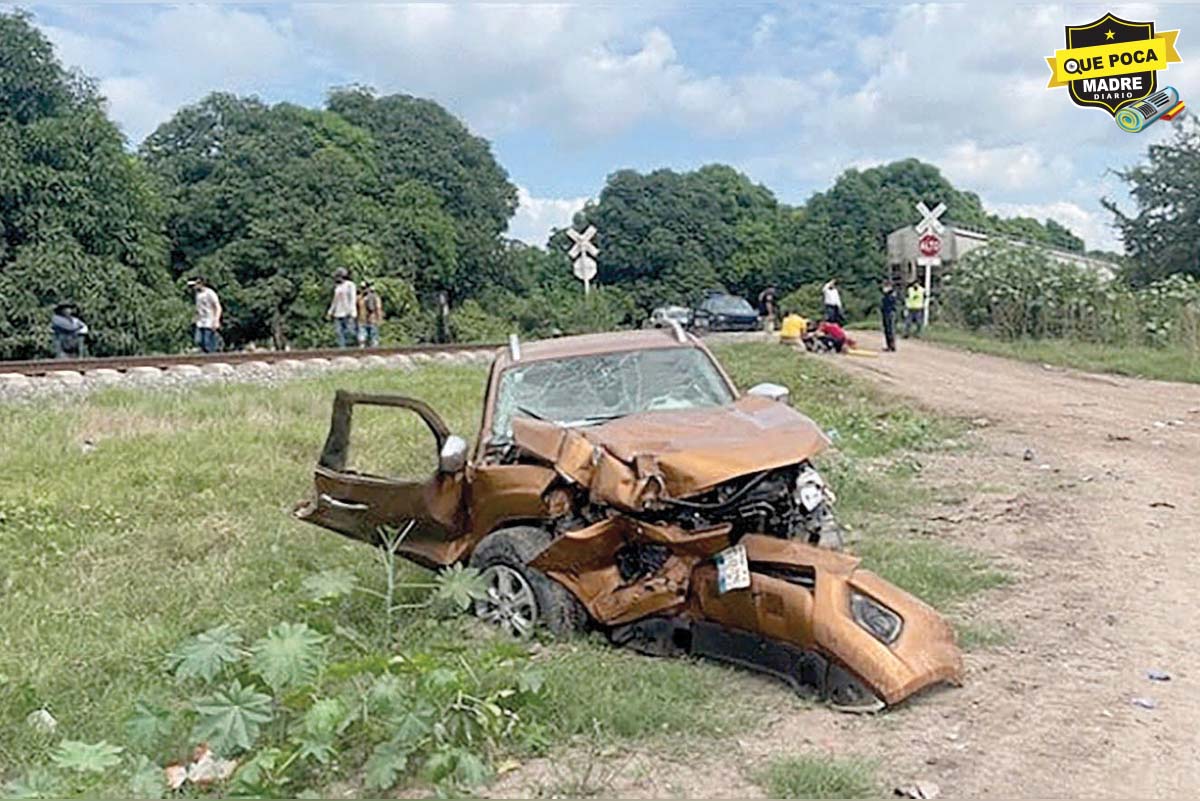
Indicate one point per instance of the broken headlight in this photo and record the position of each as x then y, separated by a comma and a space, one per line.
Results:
881, 622
810, 488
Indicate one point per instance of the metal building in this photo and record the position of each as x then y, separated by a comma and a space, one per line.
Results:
902, 252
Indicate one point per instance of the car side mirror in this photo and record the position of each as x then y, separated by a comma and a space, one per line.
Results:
453, 456
773, 391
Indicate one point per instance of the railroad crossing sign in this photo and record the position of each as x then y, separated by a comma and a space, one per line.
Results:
929, 219
582, 253
930, 244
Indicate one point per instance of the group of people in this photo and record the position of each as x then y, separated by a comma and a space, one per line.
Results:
829, 333
356, 318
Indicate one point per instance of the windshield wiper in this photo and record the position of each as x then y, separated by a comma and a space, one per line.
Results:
530, 413
593, 419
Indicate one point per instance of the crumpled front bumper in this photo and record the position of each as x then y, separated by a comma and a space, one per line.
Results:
793, 621
817, 616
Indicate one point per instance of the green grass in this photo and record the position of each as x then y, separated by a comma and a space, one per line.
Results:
1173, 363
131, 520
980, 636
940, 574
818, 777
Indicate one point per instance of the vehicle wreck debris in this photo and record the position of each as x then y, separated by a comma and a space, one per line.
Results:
620, 482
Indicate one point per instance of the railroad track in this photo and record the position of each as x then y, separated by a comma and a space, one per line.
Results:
123, 364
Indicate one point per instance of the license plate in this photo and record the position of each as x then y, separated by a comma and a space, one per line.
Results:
733, 570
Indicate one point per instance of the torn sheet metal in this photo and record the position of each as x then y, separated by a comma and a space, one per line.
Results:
633, 461
798, 594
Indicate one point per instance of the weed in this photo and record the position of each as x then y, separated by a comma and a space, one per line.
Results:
818, 777
938, 573
982, 635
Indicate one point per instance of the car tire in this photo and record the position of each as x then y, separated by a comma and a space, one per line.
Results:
503, 557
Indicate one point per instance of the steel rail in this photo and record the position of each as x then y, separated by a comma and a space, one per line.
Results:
39, 367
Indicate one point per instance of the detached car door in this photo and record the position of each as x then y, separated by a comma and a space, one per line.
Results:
387, 475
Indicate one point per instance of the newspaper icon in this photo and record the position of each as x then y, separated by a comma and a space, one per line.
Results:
1162, 104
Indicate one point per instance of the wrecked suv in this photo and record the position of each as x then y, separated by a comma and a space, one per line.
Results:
621, 482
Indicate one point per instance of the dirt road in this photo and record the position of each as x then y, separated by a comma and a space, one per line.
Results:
1103, 537
1098, 526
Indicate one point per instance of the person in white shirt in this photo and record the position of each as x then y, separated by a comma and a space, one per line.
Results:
833, 302
208, 315
343, 310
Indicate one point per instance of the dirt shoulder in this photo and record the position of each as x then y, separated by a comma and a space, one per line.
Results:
1102, 534
1097, 528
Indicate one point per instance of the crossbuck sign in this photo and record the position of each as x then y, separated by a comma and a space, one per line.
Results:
929, 219
929, 232
583, 252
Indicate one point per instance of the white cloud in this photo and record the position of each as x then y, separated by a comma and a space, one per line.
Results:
175, 55
1093, 226
1016, 167
580, 70
536, 217
962, 86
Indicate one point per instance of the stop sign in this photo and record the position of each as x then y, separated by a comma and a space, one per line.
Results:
930, 245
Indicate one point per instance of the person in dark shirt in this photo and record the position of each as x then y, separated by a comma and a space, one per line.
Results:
767, 306
887, 310
68, 331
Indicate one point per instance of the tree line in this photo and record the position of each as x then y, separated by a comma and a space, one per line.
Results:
266, 201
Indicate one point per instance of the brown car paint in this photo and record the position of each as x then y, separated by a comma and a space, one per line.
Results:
630, 465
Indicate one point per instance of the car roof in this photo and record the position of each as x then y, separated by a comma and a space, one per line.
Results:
591, 344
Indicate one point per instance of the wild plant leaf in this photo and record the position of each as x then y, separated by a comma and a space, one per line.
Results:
37, 782
257, 777
84, 757
146, 780
411, 729
231, 718
319, 728
386, 695
326, 716
458, 766
458, 586
288, 656
440, 678
470, 770
206, 655
531, 681
329, 584
148, 725
385, 765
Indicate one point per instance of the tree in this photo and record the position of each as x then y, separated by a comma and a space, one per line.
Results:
417, 142
1162, 237
669, 236
79, 217
263, 201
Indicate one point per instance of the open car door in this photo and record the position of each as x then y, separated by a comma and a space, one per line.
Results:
365, 506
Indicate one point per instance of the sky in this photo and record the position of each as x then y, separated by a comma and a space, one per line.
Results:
792, 94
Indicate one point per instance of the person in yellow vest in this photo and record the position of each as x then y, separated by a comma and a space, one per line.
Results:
914, 308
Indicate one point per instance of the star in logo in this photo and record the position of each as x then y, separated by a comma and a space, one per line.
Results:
1108, 34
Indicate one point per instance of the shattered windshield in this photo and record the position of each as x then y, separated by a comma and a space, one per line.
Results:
584, 390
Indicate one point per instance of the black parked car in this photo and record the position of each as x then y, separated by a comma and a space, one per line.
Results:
725, 313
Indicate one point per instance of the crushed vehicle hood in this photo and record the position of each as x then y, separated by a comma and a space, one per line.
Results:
636, 460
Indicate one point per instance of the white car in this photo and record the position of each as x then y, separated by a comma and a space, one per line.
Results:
661, 317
